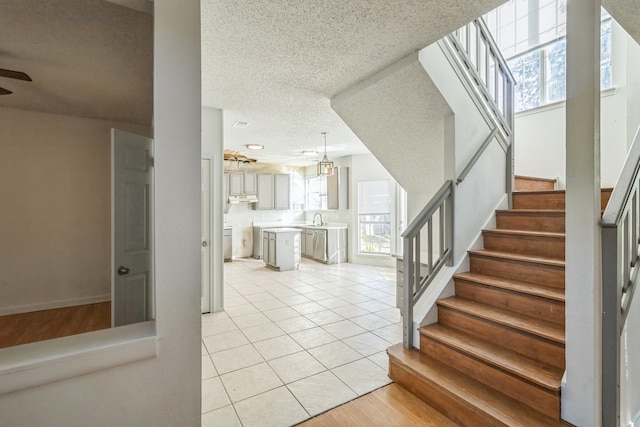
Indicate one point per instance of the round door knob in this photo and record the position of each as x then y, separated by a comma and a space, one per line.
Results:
123, 271
205, 244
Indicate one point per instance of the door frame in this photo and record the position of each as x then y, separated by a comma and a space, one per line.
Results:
205, 183
216, 293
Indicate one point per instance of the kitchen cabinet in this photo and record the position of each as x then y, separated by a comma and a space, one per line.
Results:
242, 183
227, 243
250, 183
236, 184
273, 191
282, 191
264, 191
282, 248
338, 189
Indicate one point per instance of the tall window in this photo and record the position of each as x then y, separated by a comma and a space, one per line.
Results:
374, 217
531, 35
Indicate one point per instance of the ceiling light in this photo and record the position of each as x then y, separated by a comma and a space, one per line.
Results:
325, 167
255, 146
309, 152
240, 124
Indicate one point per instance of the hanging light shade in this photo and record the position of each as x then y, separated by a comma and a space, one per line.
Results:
325, 167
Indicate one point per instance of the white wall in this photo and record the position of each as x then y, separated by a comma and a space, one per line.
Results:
55, 189
477, 196
540, 133
633, 88
164, 390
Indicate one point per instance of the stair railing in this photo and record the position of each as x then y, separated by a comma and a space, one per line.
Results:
419, 268
620, 227
484, 72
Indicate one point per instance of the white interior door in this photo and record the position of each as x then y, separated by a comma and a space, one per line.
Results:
205, 189
131, 269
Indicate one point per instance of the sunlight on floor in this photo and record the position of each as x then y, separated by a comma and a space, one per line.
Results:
291, 345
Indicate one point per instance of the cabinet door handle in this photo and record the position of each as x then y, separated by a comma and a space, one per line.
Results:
122, 271
205, 244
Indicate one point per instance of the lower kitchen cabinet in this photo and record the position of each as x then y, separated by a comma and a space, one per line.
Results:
281, 247
227, 243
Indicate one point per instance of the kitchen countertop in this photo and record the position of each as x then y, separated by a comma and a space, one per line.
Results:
283, 230
329, 226
324, 227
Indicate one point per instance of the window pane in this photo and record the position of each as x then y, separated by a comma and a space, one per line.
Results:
605, 55
375, 234
556, 71
374, 217
526, 71
374, 197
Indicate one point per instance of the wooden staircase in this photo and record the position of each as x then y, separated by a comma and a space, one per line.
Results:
496, 356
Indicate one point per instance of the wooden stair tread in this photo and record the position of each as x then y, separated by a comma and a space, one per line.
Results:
525, 233
541, 374
557, 212
465, 389
518, 257
533, 289
536, 178
530, 325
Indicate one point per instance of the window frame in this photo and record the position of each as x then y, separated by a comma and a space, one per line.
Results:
388, 223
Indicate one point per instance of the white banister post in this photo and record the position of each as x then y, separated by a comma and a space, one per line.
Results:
581, 393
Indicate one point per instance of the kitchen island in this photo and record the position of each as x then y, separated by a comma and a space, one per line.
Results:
281, 248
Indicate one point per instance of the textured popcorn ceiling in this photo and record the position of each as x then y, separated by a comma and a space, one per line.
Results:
627, 13
276, 63
87, 58
401, 117
272, 63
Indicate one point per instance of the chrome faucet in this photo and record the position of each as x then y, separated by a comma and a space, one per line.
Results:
314, 219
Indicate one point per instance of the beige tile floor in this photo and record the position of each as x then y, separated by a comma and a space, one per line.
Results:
291, 345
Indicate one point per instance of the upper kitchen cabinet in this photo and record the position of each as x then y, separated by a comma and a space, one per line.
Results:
274, 191
236, 184
282, 193
338, 189
250, 183
242, 183
265, 191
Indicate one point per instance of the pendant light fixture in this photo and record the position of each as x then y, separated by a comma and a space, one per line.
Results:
325, 167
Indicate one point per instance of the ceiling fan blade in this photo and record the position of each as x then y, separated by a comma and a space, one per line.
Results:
4, 91
19, 75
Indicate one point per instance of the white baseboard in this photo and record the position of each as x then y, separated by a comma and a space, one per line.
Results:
17, 309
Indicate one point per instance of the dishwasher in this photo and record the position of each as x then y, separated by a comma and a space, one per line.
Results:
320, 245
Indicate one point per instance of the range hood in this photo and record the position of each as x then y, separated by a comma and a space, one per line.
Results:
246, 198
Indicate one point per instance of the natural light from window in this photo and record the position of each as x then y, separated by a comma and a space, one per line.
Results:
374, 217
531, 35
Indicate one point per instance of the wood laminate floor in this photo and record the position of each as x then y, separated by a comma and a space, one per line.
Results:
389, 406
16, 329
